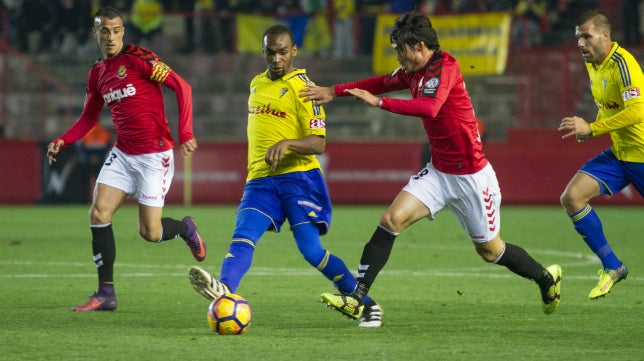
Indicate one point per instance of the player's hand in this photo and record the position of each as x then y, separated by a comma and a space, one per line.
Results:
318, 95
189, 147
575, 126
275, 153
53, 148
364, 95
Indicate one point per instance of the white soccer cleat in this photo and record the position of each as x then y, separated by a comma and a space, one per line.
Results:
371, 315
205, 284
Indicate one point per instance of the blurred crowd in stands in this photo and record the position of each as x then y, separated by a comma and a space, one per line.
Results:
64, 26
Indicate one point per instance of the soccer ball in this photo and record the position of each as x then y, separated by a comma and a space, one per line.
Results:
229, 315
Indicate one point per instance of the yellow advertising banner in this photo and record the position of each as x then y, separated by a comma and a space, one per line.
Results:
478, 41
249, 32
311, 33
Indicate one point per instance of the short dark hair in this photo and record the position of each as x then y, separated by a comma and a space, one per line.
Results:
412, 28
598, 18
108, 12
279, 29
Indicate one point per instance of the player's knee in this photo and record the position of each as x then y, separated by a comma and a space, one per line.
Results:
149, 234
565, 199
312, 251
488, 256
99, 216
307, 238
393, 221
571, 201
490, 251
249, 234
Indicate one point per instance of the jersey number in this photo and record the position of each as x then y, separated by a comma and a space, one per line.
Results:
110, 159
422, 173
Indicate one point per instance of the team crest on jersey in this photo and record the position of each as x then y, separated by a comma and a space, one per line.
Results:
122, 72
283, 92
431, 86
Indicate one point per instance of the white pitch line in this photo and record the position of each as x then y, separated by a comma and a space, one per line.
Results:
491, 272
303, 273
85, 264
578, 259
589, 259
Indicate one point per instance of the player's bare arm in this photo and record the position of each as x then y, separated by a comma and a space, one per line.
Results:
318, 94
189, 147
365, 96
53, 148
312, 144
576, 126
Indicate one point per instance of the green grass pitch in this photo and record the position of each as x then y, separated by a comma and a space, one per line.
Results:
440, 300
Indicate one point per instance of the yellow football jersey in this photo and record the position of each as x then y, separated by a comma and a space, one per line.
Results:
275, 112
616, 86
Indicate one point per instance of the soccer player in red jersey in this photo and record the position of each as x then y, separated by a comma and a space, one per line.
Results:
128, 79
458, 178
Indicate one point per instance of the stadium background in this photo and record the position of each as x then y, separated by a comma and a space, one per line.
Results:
520, 93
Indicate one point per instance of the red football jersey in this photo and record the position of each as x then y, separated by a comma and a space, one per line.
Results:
439, 97
129, 83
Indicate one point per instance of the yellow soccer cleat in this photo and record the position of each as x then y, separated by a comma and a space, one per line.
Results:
607, 279
346, 304
552, 295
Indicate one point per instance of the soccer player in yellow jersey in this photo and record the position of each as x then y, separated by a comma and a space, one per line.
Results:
284, 178
616, 82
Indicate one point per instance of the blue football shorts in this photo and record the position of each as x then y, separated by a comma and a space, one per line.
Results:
613, 175
300, 197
